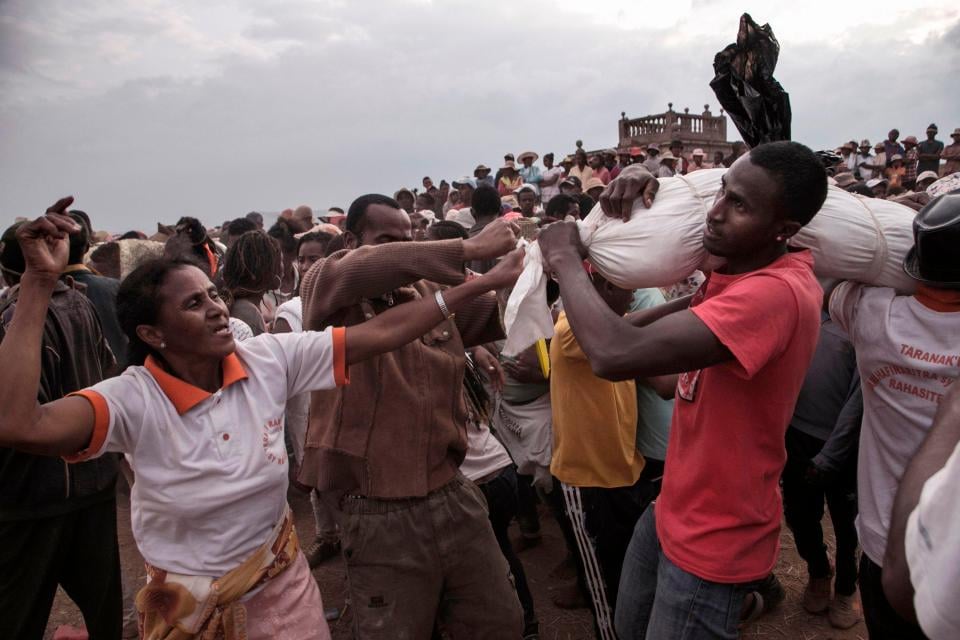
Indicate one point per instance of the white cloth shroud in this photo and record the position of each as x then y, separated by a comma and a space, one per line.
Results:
851, 237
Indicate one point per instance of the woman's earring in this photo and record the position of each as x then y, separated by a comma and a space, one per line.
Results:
163, 345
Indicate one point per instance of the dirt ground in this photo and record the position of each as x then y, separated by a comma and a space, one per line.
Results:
788, 621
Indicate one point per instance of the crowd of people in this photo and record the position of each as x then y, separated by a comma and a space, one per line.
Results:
357, 358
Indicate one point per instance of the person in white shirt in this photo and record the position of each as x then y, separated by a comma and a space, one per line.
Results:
921, 570
200, 419
550, 179
907, 355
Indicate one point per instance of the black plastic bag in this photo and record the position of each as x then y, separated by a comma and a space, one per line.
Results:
745, 86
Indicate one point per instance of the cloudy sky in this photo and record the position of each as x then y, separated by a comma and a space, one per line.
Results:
151, 109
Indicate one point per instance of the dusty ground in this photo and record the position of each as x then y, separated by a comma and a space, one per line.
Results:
789, 621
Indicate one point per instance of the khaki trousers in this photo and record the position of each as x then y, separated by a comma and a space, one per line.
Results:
419, 564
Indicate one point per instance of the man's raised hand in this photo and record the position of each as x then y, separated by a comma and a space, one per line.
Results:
497, 238
45, 242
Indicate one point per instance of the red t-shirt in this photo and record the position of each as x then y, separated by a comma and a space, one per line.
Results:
718, 516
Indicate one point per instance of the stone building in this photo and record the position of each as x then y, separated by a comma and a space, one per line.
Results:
704, 131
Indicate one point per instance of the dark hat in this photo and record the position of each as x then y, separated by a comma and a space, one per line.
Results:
932, 126
936, 235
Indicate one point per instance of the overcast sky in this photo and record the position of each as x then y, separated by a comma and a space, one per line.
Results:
152, 109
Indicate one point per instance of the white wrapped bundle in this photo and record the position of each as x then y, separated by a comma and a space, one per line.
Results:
851, 238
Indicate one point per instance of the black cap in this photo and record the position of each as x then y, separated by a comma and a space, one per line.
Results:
934, 260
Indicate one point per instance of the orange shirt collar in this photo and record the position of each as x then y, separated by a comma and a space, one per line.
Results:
184, 395
944, 300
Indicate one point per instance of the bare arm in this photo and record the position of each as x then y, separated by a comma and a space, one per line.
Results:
932, 455
646, 316
63, 426
400, 325
617, 349
664, 386
344, 279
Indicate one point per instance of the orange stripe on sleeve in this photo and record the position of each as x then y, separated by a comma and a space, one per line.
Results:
101, 421
340, 374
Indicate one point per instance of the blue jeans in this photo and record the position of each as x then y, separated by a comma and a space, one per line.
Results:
659, 600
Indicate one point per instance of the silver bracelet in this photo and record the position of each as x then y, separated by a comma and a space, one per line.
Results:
438, 296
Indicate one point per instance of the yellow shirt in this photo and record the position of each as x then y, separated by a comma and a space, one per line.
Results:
594, 420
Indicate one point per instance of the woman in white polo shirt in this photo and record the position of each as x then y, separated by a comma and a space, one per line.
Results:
201, 422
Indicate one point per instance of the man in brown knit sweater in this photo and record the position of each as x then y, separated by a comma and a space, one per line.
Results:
419, 548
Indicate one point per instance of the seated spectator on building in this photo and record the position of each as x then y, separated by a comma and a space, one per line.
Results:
696, 161
482, 175
668, 165
929, 151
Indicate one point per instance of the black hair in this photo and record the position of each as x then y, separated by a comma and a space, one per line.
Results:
427, 196
252, 265
283, 233
586, 205
558, 205
82, 215
321, 237
255, 216
446, 230
191, 237
336, 244
337, 209
802, 178
79, 241
138, 301
486, 201
860, 189
239, 226
358, 210
11, 256
133, 235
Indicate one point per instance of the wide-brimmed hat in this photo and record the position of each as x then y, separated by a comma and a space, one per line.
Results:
956, 132
875, 182
698, 152
864, 143
927, 175
845, 179
509, 164
480, 167
465, 181
879, 145
936, 234
572, 181
526, 186
910, 140
653, 146
592, 183
896, 157
667, 155
527, 154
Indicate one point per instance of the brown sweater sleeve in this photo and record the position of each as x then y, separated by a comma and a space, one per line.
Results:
479, 321
346, 277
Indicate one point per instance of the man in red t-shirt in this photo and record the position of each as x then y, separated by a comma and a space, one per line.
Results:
742, 345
